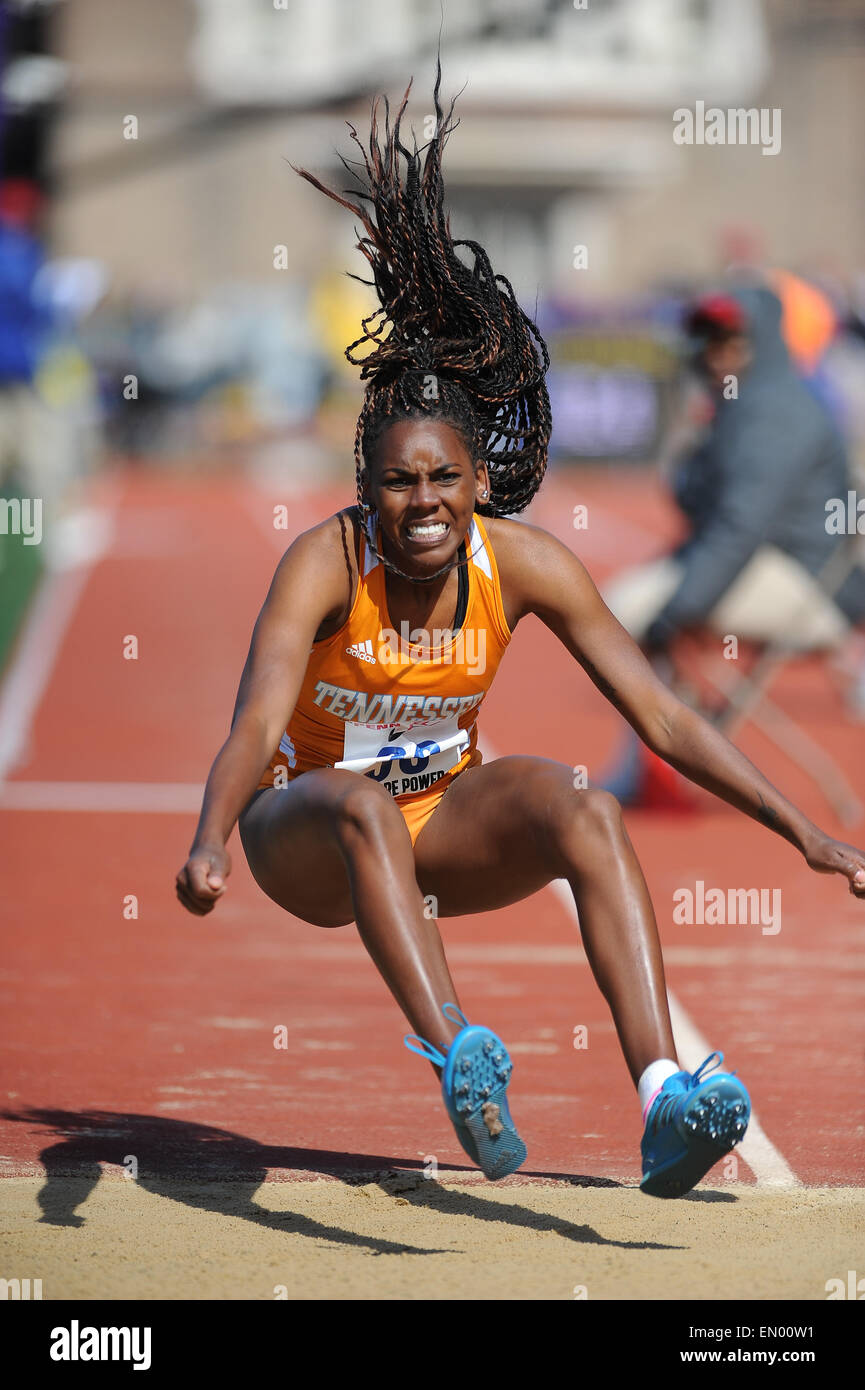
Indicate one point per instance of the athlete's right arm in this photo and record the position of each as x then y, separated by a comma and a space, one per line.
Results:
310, 583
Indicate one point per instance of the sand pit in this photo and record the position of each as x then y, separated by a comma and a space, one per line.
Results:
403, 1236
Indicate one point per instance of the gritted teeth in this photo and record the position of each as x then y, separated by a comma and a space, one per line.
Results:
428, 528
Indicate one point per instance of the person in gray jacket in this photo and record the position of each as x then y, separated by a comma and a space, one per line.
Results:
755, 492
762, 561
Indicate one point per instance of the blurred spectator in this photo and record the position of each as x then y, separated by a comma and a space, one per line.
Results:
23, 325
754, 492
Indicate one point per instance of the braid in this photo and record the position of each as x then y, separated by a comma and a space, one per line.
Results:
448, 338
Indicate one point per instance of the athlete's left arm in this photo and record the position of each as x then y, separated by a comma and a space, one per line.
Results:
546, 578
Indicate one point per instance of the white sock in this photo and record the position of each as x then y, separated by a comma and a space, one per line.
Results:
653, 1079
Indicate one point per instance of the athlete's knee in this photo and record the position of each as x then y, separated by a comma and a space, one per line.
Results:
598, 811
364, 810
583, 820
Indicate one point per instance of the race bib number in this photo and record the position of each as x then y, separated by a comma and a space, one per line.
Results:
404, 760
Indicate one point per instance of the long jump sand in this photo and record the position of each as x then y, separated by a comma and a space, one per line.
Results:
403, 1236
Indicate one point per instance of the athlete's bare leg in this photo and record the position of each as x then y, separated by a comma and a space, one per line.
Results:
504, 829
332, 848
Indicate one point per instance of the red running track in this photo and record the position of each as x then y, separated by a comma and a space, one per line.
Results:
155, 1035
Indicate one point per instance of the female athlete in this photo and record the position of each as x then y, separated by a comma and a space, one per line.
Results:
352, 766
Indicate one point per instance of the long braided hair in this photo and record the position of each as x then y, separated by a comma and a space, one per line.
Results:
448, 338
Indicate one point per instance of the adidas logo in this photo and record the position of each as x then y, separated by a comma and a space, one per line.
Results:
362, 650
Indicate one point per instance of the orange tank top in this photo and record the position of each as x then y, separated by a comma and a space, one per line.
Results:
400, 707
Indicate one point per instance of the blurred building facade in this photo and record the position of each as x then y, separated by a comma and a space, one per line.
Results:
566, 134
196, 287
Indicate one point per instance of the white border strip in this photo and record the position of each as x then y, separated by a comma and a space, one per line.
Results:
166, 797
78, 541
33, 661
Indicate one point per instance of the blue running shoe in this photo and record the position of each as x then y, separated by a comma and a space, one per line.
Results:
475, 1077
691, 1125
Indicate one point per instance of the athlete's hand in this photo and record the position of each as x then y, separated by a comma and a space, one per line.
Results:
828, 856
201, 881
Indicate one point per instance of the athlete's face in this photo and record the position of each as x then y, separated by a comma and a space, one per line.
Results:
424, 485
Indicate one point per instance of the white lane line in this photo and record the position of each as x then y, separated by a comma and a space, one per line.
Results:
38, 645
165, 797
521, 953
78, 542
768, 1165
466, 952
